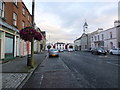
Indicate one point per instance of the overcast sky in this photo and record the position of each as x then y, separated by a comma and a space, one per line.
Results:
63, 21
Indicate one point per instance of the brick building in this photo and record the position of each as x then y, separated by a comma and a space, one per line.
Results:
14, 16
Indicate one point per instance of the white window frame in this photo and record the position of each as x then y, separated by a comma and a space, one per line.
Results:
23, 11
2, 9
28, 17
23, 24
14, 19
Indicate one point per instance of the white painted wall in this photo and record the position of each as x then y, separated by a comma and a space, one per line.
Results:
107, 39
15, 47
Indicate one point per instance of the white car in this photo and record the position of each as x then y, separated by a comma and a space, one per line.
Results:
70, 49
61, 50
115, 51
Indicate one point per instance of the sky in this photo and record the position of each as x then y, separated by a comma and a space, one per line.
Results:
63, 21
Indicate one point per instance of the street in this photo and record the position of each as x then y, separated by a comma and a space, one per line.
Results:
76, 70
98, 71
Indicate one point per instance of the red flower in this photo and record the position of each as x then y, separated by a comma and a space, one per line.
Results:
28, 33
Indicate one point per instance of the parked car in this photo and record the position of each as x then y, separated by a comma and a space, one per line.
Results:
115, 51
99, 51
61, 50
53, 52
70, 49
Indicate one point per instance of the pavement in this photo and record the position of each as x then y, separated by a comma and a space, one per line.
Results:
15, 72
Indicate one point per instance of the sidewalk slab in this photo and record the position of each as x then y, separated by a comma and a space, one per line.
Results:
16, 71
12, 80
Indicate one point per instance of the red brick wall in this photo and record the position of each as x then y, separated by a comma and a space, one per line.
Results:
10, 8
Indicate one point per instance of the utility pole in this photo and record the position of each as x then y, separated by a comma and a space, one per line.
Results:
32, 43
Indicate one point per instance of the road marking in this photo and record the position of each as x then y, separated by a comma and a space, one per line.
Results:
113, 64
75, 70
64, 64
41, 80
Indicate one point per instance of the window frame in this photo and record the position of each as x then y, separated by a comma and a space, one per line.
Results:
111, 35
23, 24
14, 19
28, 17
23, 10
2, 9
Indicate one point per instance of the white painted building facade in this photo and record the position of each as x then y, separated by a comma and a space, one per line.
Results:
59, 46
106, 38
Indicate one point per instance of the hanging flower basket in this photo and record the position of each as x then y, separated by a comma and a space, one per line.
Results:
28, 33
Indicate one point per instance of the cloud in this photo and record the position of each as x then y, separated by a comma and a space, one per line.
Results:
64, 21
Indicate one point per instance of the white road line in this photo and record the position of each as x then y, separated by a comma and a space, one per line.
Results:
113, 64
64, 64
75, 70
41, 80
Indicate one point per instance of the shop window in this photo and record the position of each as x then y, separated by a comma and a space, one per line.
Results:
9, 45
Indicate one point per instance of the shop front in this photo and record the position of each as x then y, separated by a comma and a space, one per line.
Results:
9, 42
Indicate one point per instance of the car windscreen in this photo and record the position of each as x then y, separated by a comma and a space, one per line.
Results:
53, 50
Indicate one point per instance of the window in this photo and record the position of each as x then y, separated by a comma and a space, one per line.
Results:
102, 36
95, 38
2, 9
15, 2
23, 24
23, 11
98, 38
28, 17
92, 38
110, 34
14, 19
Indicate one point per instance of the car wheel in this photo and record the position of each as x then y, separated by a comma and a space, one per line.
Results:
104, 53
97, 53
111, 53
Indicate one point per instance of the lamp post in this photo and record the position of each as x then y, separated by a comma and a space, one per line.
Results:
32, 43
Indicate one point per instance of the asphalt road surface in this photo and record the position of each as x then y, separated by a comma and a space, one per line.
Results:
88, 70
96, 71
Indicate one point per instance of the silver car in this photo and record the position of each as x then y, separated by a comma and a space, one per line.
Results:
53, 52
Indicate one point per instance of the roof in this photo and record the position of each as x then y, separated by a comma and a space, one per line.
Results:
85, 24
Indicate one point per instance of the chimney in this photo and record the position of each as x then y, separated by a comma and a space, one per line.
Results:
100, 29
116, 23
